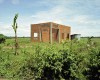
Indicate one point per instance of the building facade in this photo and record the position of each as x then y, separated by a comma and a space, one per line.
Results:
49, 32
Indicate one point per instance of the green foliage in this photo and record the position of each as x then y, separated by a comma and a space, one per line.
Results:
15, 23
15, 26
70, 60
2, 38
93, 72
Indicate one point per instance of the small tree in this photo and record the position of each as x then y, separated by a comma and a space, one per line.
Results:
15, 30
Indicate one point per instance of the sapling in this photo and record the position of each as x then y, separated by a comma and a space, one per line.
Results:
15, 26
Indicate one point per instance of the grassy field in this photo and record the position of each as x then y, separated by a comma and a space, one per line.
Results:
69, 60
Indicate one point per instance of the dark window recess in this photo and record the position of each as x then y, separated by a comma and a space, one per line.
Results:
62, 35
68, 35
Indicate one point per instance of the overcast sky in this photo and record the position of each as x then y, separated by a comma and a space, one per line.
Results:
82, 15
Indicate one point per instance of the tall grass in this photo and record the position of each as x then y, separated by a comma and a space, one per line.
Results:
70, 60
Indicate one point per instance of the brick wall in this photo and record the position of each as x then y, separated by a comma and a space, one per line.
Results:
43, 30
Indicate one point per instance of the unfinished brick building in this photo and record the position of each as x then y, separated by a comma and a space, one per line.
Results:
49, 32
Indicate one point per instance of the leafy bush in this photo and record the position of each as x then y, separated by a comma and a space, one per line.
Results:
93, 72
69, 60
2, 38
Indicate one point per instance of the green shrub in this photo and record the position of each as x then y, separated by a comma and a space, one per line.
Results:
42, 61
2, 38
93, 72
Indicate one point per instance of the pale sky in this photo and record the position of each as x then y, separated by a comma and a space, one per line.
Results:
82, 15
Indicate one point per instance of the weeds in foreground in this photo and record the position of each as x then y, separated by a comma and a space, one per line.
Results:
43, 61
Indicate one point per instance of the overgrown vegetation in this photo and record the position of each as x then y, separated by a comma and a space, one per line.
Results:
70, 60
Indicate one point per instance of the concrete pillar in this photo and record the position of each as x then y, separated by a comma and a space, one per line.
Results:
40, 35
